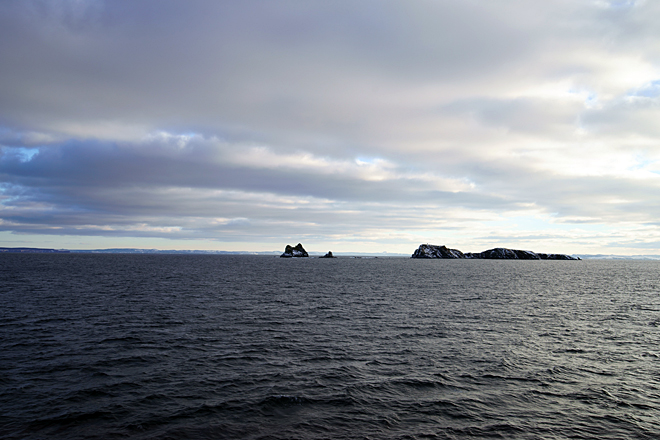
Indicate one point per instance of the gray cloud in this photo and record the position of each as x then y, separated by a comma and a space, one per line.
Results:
378, 121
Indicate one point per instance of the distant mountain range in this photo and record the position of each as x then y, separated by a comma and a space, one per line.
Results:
178, 251
274, 253
26, 250
617, 257
126, 251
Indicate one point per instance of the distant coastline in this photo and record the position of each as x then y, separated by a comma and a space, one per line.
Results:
30, 250
127, 251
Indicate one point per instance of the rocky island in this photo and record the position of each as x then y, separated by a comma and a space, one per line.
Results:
328, 255
434, 251
298, 251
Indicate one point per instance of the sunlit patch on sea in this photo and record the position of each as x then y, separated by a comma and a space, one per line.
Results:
245, 347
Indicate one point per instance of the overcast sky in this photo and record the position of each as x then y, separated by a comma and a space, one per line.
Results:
369, 125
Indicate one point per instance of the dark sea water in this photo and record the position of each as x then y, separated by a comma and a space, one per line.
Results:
242, 347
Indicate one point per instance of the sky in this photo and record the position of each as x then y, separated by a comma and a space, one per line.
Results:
370, 126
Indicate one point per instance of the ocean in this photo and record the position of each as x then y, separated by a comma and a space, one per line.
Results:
114, 346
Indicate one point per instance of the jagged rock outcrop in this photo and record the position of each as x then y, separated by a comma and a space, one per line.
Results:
328, 255
557, 257
298, 251
505, 254
515, 254
433, 251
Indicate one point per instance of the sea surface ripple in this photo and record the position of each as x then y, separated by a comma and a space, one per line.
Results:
252, 347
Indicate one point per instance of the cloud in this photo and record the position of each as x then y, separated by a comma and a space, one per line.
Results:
378, 122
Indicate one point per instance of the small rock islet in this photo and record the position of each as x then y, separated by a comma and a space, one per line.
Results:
294, 252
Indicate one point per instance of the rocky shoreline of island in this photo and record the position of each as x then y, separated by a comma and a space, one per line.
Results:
435, 251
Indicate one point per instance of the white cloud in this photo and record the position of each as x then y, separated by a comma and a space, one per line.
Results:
368, 123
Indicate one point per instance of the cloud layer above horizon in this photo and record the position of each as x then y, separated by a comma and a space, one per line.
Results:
375, 125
